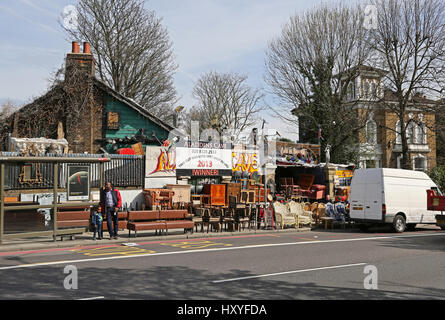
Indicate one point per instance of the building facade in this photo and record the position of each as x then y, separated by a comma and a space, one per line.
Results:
380, 141
90, 115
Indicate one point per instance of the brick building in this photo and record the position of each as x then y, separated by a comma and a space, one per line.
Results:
380, 143
89, 114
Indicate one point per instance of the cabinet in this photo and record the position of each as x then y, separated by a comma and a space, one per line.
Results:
181, 192
217, 193
233, 189
156, 199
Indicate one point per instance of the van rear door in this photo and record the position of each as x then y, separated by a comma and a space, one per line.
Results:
373, 203
374, 195
357, 197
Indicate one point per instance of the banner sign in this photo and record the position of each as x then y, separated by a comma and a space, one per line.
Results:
160, 162
207, 159
344, 173
245, 161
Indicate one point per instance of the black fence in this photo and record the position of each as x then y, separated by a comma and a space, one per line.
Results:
121, 171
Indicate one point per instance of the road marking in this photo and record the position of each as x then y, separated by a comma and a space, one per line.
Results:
212, 238
108, 251
119, 244
195, 244
308, 239
290, 272
216, 249
55, 250
93, 298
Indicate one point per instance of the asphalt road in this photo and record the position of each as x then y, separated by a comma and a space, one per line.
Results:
310, 265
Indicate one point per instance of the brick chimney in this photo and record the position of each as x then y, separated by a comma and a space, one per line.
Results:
79, 71
84, 60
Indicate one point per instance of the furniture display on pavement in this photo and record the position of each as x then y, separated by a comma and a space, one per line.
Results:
158, 199
161, 220
182, 193
304, 217
216, 194
284, 216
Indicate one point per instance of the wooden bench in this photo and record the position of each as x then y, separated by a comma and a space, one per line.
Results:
73, 217
177, 219
159, 220
24, 220
122, 221
144, 220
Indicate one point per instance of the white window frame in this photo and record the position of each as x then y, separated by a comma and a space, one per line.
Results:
374, 140
398, 132
425, 159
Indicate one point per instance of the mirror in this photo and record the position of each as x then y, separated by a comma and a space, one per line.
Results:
30, 174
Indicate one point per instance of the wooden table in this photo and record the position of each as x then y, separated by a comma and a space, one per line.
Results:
326, 221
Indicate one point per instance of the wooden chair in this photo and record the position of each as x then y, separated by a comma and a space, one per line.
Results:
215, 219
198, 218
314, 207
320, 212
242, 217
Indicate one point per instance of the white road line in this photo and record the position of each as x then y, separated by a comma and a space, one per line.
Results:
290, 272
215, 250
93, 298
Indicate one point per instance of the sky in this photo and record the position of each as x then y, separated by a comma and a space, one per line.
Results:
207, 35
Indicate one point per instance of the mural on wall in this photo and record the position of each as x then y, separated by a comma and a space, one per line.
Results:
160, 162
245, 161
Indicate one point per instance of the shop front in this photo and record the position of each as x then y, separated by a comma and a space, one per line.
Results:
299, 173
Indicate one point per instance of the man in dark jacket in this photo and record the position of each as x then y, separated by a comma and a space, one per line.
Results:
111, 201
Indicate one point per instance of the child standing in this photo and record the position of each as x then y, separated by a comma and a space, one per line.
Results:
97, 221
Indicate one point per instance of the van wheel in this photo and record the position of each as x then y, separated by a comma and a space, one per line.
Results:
442, 227
411, 226
399, 224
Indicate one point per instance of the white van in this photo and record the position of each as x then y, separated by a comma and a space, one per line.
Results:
392, 196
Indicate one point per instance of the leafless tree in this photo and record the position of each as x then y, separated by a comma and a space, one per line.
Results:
132, 50
6, 109
67, 102
409, 42
310, 67
225, 102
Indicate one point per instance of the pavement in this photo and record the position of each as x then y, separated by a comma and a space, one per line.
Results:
318, 264
42, 243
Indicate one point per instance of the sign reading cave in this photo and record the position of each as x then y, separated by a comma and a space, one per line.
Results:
78, 181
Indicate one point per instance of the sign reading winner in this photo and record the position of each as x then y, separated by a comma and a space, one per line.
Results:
203, 159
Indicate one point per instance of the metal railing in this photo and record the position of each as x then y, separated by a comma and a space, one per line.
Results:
121, 170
